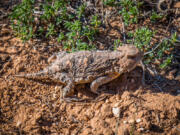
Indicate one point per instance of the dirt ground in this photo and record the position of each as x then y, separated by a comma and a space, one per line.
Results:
125, 106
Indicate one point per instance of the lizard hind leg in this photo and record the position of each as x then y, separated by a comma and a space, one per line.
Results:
65, 79
102, 80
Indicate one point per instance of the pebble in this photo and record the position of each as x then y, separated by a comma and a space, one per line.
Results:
116, 111
125, 122
116, 105
131, 121
138, 120
141, 129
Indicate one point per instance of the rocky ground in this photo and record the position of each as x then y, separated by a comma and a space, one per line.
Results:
125, 106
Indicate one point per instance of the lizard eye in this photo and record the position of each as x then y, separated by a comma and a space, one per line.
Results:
131, 56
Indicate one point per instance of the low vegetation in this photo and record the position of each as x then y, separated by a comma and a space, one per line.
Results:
75, 26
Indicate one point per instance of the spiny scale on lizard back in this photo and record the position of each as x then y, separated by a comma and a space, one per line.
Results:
92, 63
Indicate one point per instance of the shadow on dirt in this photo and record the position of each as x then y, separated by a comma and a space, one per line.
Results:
133, 81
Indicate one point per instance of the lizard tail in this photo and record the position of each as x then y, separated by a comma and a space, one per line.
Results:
33, 75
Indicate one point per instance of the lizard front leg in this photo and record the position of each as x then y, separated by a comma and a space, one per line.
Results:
67, 81
102, 80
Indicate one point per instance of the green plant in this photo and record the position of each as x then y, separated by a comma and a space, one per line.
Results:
129, 11
50, 30
22, 20
78, 33
154, 52
142, 38
95, 22
173, 38
117, 43
166, 62
164, 54
60, 37
132, 129
52, 19
109, 2
155, 16
81, 10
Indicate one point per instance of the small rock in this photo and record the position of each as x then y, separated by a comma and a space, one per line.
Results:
126, 95
116, 111
54, 96
106, 111
133, 109
125, 122
141, 129
107, 101
18, 123
138, 120
116, 104
118, 97
131, 121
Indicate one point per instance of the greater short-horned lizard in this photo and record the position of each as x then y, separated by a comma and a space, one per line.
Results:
94, 67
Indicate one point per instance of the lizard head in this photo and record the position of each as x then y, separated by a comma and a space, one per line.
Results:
131, 57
